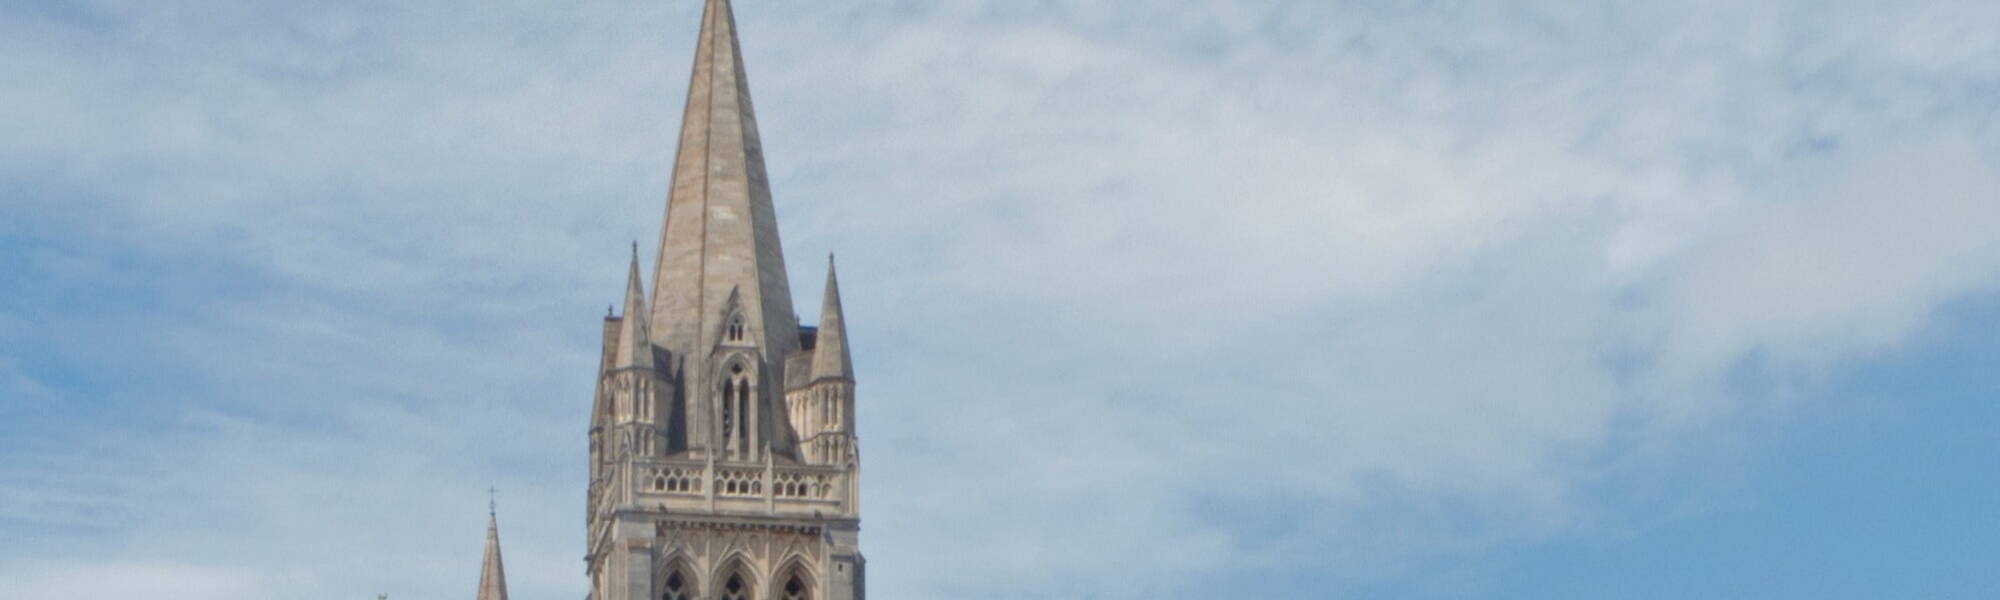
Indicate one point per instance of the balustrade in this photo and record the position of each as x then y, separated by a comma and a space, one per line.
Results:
687, 478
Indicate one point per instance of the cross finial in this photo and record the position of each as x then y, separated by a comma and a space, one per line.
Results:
492, 503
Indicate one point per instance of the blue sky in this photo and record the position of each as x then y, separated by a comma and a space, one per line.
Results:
1309, 299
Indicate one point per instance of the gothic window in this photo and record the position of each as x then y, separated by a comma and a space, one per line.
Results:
736, 328
735, 589
796, 588
735, 402
728, 407
677, 588
743, 405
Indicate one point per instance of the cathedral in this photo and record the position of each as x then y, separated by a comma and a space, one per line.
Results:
723, 463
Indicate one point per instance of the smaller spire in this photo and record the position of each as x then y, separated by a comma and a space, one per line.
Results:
830, 355
492, 577
635, 342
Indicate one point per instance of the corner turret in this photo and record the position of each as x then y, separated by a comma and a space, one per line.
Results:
831, 359
821, 404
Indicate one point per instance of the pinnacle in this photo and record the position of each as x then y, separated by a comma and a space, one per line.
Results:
635, 344
831, 358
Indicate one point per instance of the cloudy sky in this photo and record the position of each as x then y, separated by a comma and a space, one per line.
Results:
1295, 299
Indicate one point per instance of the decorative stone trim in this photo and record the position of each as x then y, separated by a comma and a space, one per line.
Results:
665, 526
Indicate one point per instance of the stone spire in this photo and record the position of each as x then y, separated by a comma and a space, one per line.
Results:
721, 233
830, 356
492, 578
635, 344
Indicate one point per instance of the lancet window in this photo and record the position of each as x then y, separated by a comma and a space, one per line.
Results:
735, 588
736, 330
728, 407
677, 587
795, 587
734, 410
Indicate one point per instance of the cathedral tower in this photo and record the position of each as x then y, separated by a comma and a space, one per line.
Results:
722, 448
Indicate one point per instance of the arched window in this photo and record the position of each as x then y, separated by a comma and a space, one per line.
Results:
795, 587
735, 588
743, 405
735, 402
735, 330
728, 407
677, 587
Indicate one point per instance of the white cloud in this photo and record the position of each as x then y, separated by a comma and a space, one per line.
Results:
1855, 262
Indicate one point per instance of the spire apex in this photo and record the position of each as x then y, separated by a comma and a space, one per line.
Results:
492, 576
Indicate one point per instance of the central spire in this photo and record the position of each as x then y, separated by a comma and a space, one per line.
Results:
721, 232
